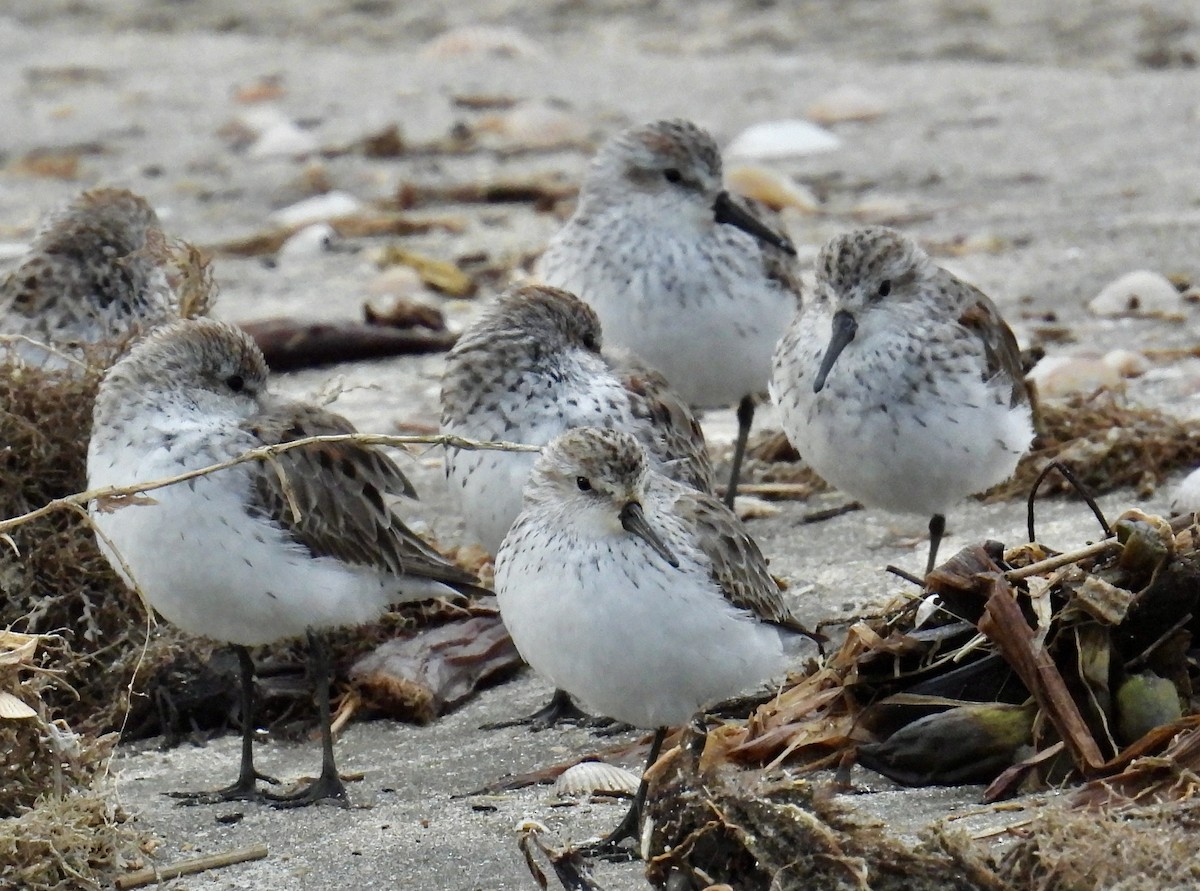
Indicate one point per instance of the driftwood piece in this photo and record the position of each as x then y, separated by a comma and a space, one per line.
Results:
1004, 623
424, 676
289, 345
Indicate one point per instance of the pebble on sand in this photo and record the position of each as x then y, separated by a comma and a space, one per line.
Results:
1140, 293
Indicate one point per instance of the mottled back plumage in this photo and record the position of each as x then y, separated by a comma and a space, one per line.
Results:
97, 272
529, 368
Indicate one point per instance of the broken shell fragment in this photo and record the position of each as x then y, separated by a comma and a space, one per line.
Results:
596, 778
772, 188
14, 708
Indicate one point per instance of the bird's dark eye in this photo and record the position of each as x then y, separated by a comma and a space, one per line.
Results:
885, 287
235, 382
584, 484
673, 175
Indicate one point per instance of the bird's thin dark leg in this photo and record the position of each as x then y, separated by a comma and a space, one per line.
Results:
328, 787
745, 417
561, 709
609, 847
937, 528
245, 789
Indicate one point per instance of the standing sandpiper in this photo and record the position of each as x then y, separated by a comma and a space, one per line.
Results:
529, 369
680, 273
899, 383
260, 551
643, 597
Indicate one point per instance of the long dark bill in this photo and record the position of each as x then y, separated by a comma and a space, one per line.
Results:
633, 521
727, 211
844, 328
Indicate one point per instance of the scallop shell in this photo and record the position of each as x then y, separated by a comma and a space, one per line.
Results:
596, 777
11, 707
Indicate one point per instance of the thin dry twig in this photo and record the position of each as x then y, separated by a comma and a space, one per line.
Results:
262, 453
154, 874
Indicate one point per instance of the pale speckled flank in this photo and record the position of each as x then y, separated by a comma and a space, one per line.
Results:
193, 393
527, 370
701, 301
96, 273
693, 281
260, 551
925, 402
645, 598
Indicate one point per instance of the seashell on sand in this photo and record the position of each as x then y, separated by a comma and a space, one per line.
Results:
781, 139
596, 778
1141, 293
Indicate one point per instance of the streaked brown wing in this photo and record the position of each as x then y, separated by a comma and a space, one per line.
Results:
339, 490
738, 566
1000, 349
678, 442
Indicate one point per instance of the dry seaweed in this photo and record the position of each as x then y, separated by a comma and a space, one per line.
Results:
59, 582
1108, 443
713, 825
1146, 848
69, 842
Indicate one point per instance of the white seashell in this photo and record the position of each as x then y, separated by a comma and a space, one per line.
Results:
480, 40
283, 140
308, 242
1063, 375
846, 103
781, 139
596, 777
772, 188
1140, 293
11, 707
536, 125
1187, 497
317, 209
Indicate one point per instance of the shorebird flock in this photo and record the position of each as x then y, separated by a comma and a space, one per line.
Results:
620, 574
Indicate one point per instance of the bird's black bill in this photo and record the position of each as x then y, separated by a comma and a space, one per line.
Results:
634, 522
727, 211
844, 328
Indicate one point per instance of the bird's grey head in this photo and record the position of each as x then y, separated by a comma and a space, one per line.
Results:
599, 477
537, 320
860, 276
675, 161
669, 173
868, 267
203, 363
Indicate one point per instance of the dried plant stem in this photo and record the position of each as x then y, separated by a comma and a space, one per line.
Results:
1048, 565
153, 874
262, 453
